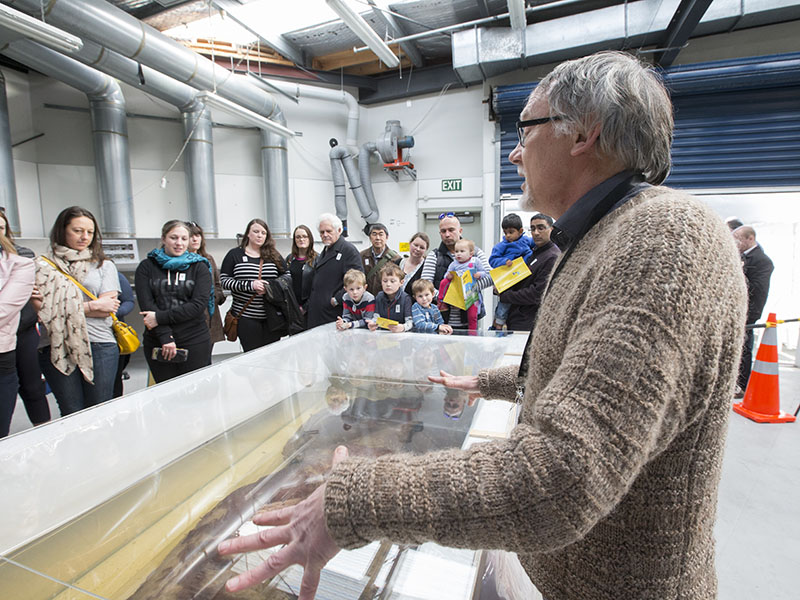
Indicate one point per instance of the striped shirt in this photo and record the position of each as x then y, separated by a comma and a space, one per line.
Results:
429, 272
237, 273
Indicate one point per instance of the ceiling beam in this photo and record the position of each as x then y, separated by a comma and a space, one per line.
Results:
482, 7
680, 28
380, 9
347, 59
276, 41
429, 80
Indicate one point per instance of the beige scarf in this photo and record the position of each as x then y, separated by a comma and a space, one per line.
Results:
62, 310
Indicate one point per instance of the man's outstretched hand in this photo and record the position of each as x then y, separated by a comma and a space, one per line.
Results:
466, 383
303, 531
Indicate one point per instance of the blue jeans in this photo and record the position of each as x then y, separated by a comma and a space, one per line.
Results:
73, 392
501, 312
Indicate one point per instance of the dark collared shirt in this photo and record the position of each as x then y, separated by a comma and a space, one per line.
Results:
575, 223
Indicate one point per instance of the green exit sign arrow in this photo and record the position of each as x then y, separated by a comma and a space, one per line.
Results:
451, 185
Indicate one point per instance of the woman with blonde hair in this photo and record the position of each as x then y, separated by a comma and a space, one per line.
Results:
78, 354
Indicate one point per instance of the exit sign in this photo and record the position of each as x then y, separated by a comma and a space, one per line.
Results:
451, 185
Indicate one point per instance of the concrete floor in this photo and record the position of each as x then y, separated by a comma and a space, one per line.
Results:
758, 522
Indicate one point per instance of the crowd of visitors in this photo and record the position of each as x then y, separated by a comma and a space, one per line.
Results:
64, 333
64, 328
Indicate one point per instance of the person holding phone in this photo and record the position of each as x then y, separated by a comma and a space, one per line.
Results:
174, 290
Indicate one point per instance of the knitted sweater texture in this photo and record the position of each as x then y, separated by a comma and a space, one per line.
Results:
607, 488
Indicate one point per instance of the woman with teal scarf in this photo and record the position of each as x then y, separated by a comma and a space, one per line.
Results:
174, 288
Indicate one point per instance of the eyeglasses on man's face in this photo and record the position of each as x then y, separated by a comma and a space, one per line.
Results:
521, 125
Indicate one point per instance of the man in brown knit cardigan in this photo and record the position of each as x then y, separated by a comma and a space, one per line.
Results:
607, 487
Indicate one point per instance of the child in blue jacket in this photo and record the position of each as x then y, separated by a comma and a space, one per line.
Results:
513, 245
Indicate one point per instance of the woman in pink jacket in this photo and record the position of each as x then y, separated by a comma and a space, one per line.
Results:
16, 283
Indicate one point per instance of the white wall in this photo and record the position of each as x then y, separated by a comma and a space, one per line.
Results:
454, 139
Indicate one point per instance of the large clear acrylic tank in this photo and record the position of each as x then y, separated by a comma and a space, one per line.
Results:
128, 500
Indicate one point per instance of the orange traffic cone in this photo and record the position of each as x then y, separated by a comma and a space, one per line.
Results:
761, 401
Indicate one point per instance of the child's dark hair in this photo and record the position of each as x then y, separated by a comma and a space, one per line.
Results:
511, 221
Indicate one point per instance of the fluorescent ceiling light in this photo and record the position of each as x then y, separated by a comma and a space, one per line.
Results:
360, 27
214, 101
38, 30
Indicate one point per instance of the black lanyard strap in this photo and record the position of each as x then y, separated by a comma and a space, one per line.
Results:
623, 192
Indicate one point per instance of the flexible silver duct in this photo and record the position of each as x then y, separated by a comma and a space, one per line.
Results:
197, 126
366, 180
109, 129
339, 189
8, 184
102, 22
341, 158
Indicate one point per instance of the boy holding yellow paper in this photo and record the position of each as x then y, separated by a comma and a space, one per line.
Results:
392, 305
515, 244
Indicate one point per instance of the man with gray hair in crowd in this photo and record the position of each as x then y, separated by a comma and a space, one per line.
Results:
338, 257
607, 487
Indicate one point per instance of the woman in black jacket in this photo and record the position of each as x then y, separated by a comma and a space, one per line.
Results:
301, 266
247, 271
174, 290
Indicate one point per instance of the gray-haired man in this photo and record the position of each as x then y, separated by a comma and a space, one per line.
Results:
607, 487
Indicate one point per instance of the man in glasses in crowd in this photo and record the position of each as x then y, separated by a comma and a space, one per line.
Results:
526, 296
607, 487
377, 256
437, 262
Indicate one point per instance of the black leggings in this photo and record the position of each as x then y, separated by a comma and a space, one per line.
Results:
31, 384
199, 357
255, 333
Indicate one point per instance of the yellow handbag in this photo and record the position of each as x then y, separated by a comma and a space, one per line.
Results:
126, 336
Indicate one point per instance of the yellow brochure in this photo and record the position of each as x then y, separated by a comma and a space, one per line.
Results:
455, 295
505, 277
386, 323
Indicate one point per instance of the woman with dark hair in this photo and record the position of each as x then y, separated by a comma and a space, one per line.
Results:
248, 271
412, 264
174, 290
301, 265
31, 383
78, 354
16, 284
197, 244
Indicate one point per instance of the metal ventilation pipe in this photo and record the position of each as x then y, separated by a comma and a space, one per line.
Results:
341, 159
366, 179
113, 28
198, 165
275, 168
197, 126
298, 90
109, 129
8, 184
